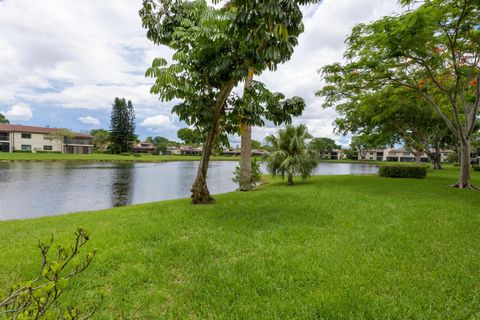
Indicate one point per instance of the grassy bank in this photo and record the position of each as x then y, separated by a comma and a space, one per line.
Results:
100, 157
335, 247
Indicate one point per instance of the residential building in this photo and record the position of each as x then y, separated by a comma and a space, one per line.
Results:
398, 155
335, 154
236, 152
38, 139
143, 147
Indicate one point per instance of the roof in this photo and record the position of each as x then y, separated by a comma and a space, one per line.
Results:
31, 129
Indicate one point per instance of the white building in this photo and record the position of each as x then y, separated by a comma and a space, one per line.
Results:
37, 139
398, 155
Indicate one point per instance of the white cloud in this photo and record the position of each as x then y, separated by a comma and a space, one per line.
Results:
157, 121
20, 112
89, 120
83, 54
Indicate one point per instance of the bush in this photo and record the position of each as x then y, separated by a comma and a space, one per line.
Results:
456, 164
256, 173
42, 151
476, 167
411, 172
126, 153
137, 155
21, 151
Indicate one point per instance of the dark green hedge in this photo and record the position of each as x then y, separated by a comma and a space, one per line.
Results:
411, 172
22, 151
41, 151
476, 167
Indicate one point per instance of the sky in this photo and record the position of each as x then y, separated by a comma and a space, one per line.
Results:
62, 63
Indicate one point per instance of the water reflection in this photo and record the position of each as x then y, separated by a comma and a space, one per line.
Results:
123, 179
35, 189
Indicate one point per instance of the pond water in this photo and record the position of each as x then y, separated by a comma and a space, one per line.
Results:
35, 189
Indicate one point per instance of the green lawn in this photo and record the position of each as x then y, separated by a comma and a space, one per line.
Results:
4, 156
335, 247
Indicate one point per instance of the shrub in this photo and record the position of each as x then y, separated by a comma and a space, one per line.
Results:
42, 151
126, 153
456, 164
256, 172
38, 298
137, 155
411, 172
22, 151
476, 167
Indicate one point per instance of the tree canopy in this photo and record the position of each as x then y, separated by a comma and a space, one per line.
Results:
3, 119
432, 50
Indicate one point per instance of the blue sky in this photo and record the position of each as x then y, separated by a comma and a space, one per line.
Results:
63, 62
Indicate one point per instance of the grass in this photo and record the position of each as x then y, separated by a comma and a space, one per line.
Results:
5, 156
334, 247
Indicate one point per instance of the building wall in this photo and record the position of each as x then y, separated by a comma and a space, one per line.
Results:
37, 142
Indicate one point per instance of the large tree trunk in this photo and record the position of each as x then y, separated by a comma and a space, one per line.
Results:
200, 193
246, 151
464, 181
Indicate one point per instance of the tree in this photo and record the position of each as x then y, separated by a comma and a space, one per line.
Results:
320, 146
190, 136
122, 125
290, 153
3, 119
256, 144
391, 116
270, 29
432, 50
101, 139
210, 60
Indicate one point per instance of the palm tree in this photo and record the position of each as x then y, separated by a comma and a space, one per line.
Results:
290, 153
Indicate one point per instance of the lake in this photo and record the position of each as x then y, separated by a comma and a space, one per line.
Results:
36, 189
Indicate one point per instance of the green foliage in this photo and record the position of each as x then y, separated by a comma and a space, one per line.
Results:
290, 155
256, 144
101, 139
61, 134
190, 136
476, 167
122, 126
50, 152
3, 119
431, 50
256, 173
403, 171
321, 145
38, 298
22, 151
453, 157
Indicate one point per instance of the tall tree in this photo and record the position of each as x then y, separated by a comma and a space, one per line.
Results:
290, 155
210, 60
322, 145
270, 29
3, 119
433, 50
190, 136
122, 125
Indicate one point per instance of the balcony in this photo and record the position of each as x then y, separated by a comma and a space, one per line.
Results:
79, 141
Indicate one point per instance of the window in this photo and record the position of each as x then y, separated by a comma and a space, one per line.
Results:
47, 148
26, 136
26, 147
4, 136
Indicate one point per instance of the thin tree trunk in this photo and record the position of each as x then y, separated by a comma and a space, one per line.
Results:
245, 180
464, 181
290, 179
200, 192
